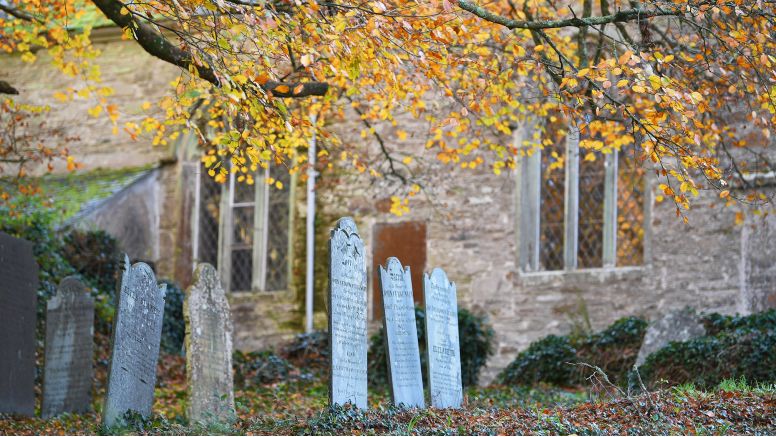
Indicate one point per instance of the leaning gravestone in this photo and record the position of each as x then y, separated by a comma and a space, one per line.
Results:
137, 332
18, 291
208, 349
681, 325
406, 379
347, 316
444, 355
67, 376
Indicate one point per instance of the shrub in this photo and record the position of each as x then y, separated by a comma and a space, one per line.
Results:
96, 256
259, 368
545, 360
173, 324
551, 359
734, 347
716, 323
614, 349
476, 345
309, 350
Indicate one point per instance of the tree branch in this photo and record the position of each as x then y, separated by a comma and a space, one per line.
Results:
160, 47
618, 17
6, 88
16, 13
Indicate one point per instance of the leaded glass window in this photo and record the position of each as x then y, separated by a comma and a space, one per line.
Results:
608, 220
244, 229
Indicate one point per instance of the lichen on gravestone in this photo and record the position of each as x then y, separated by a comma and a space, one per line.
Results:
68, 371
208, 349
347, 318
137, 332
442, 342
402, 351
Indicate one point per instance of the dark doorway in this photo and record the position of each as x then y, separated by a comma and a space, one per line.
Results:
406, 241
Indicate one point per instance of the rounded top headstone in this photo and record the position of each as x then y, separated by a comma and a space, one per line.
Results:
346, 224
71, 286
439, 276
393, 263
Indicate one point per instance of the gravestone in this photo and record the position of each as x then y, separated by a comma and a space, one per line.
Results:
137, 332
18, 291
347, 316
208, 349
68, 372
406, 379
444, 354
681, 325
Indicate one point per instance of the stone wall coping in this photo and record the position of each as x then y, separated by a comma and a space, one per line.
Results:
591, 275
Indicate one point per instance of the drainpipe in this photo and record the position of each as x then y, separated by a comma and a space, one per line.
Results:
310, 230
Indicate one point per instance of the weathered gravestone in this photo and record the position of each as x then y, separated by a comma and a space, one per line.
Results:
347, 316
681, 325
406, 379
208, 349
137, 332
18, 291
444, 355
67, 376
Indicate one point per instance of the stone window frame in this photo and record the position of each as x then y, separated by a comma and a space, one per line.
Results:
528, 208
260, 232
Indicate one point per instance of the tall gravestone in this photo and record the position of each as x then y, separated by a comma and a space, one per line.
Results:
208, 349
347, 316
137, 332
444, 354
406, 379
68, 372
18, 291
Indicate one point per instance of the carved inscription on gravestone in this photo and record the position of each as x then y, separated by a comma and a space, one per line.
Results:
18, 290
208, 349
347, 316
67, 377
137, 332
406, 380
444, 355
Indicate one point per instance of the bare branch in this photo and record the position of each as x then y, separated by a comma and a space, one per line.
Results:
618, 17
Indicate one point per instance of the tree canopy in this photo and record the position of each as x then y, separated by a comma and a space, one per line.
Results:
692, 83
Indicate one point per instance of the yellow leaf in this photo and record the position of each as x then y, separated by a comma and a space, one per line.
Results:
401, 134
96, 111
625, 58
583, 72
282, 89
407, 160
590, 156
